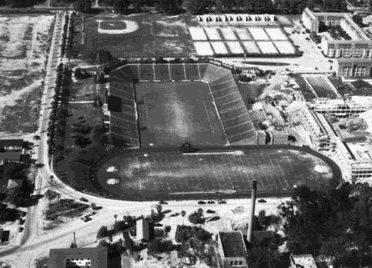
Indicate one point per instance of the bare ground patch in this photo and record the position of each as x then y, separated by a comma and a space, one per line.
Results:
24, 45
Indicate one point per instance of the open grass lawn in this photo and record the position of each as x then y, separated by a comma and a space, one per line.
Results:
157, 36
172, 113
308, 94
74, 162
146, 173
321, 87
86, 90
341, 87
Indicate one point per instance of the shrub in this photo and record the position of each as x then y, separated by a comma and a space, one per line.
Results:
120, 226
197, 217
103, 232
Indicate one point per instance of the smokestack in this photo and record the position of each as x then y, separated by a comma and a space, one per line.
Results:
253, 205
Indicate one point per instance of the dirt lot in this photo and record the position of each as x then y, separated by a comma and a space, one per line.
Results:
24, 44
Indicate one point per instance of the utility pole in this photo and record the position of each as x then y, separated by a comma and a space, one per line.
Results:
74, 238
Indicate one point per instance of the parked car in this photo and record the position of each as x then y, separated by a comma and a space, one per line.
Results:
210, 211
87, 219
211, 202
201, 203
84, 199
331, 61
162, 202
222, 202
261, 201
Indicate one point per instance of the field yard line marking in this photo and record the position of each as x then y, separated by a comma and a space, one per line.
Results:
236, 175
234, 92
139, 73
272, 178
153, 70
225, 178
263, 175
170, 76
199, 71
187, 181
184, 69
281, 173
235, 117
240, 161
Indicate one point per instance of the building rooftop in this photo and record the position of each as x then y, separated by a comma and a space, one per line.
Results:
351, 60
233, 244
305, 260
362, 152
97, 256
11, 142
11, 156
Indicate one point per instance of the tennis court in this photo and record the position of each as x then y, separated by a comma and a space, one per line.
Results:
172, 113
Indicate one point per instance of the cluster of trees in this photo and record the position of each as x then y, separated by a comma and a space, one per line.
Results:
334, 221
81, 74
193, 236
64, 35
197, 217
315, 37
59, 113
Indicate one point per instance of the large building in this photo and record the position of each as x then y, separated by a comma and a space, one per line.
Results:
354, 55
232, 249
341, 107
78, 257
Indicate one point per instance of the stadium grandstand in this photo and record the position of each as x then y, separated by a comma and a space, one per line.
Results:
230, 107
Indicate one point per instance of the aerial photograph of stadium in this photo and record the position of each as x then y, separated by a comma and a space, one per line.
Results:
185, 133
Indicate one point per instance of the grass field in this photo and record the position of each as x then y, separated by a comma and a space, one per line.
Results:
321, 87
86, 90
24, 41
157, 36
147, 173
308, 94
173, 113
74, 161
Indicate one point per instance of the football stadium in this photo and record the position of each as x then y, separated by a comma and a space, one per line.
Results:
156, 108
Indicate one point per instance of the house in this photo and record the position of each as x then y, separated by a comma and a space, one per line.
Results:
232, 249
78, 257
143, 230
4, 236
302, 261
11, 145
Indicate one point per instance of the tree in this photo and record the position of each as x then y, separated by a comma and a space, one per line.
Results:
167, 229
159, 246
73, 245
195, 6
121, 6
170, 6
183, 214
197, 217
128, 243
358, 20
120, 226
102, 232
83, 5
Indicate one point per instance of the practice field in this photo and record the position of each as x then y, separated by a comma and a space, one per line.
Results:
172, 113
150, 174
321, 87
156, 36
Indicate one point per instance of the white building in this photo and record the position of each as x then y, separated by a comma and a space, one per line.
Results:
143, 229
340, 107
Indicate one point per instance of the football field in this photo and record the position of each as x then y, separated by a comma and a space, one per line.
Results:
171, 114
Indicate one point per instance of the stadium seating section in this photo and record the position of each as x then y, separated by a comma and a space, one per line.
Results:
231, 108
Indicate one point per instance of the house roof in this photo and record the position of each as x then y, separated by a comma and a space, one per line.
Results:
97, 256
12, 142
305, 260
361, 83
233, 244
15, 156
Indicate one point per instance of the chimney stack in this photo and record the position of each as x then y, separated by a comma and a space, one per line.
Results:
253, 205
